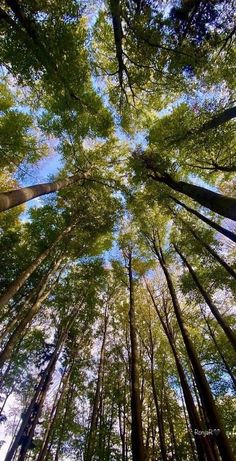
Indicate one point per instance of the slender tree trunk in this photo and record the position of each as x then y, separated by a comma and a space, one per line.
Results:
34, 297
205, 419
227, 367
36, 415
32, 413
201, 381
191, 443
54, 413
205, 245
197, 427
213, 253
155, 397
225, 327
122, 424
7, 397
171, 426
230, 235
18, 196
63, 425
136, 425
94, 417
13, 289
20, 330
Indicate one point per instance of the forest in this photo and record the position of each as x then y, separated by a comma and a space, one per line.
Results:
117, 230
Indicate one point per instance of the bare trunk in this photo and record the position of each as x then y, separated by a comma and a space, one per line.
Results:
23, 277
20, 330
202, 444
136, 425
230, 235
171, 426
220, 204
63, 425
227, 367
18, 196
201, 381
54, 414
33, 298
191, 443
219, 119
29, 421
213, 253
122, 426
225, 327
159, 410
94, 417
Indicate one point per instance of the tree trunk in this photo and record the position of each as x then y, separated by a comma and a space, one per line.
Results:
218, 119
94, 417
32, 299
32, 413
13, 289
20, 330
171, 426
16, 197
136, 424
54, 414
229, 333
62, 428
202, 444
122, 424
159, 411
227, 367
201, 381
230, 235
221, 204
213, 253
191, 443
205, 245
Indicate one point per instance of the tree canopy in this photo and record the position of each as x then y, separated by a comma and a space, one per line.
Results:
117, 230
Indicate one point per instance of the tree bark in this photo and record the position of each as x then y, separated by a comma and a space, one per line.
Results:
227, 367
18, 196
54, 414
136, 412
221, 204
217, 120
94, 416
118, 35
35, 406
191, 443
230, 235
215, 255
202, 444
13, 289
159, 411
225, 327
20, 330
201, 381
172, 429
63, 425
33, 297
